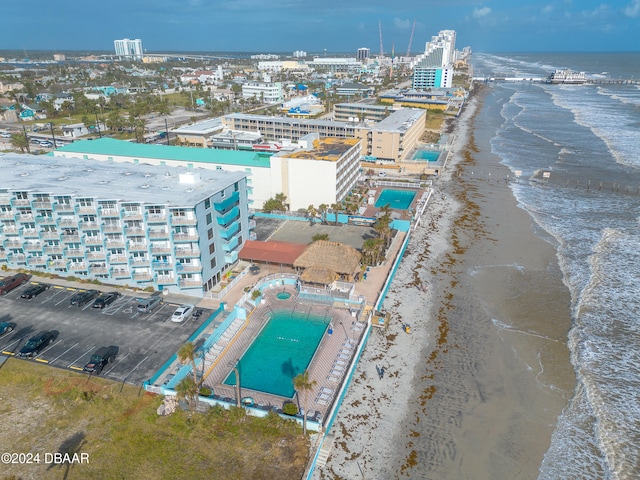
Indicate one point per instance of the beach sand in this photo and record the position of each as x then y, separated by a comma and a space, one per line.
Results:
473, 392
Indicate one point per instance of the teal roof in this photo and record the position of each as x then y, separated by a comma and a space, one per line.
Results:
122, 148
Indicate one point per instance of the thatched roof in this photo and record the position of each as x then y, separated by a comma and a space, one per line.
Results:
318, 275
336, 257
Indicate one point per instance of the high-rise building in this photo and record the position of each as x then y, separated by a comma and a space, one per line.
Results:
445, 41
362, 54
434, 68
129, 49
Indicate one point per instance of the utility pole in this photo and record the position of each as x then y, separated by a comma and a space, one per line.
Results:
24, 130
166, 130
98, 126
53, 135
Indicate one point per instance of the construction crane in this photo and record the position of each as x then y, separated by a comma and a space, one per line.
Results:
380, 30
411, 38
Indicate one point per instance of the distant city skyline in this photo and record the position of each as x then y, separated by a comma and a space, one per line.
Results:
285, 26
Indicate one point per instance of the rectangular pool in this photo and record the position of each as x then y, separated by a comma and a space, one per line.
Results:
396, 199
283, 349
426, 155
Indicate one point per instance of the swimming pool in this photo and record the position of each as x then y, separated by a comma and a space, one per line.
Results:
396, 199
281, 351
426, 155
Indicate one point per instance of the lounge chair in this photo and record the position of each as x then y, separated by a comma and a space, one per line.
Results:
333, 379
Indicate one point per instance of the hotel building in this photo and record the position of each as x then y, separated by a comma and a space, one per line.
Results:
123, 224
129, 49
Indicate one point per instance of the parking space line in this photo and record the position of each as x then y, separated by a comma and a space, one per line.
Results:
83, 355
139, 363
41, 360
63, 353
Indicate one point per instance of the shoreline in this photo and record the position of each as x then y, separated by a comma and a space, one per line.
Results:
448, 391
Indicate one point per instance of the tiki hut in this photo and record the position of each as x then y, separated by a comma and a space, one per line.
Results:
323, 262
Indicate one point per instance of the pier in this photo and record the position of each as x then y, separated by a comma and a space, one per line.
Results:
589, 81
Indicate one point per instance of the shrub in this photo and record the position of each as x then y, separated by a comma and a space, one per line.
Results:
256, 294
290, 408
206, 391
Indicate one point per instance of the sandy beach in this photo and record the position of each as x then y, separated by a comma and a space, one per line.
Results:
474, 390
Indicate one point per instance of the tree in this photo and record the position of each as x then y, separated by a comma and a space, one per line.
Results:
311, 213
275, 204
301, 383
335, 207
187, 389
282, 198
20, 140
187, 353
322, 208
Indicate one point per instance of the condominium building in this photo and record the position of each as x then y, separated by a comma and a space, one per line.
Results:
332, 163
395, 137
363, 54
129, 49
360, 112
336, 65
124, 224
263, 92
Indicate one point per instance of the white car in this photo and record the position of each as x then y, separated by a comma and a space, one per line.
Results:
182, 313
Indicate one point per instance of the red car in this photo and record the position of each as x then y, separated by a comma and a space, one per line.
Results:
9, 283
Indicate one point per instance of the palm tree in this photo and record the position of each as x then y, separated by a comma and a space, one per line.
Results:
322, 208
20, 140
311, 213
334, 208
187, 353
301, 383
187, 389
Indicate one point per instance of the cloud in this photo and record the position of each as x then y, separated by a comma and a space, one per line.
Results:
547, 9
633, 9
400, 24
481, 12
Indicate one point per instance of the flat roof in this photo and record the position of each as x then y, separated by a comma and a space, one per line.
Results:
140, 151
150, 184
400, 120
272, 251
328, 149
200, 128
289, 120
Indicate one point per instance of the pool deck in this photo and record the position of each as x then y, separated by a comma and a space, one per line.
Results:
331, 361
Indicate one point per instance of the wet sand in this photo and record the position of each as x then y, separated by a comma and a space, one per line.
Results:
474, 391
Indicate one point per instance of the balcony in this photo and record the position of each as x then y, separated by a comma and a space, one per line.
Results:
183, 220
143, 276
13, 244
227, 202
6, 215
42, 205
5, 200
109, 212
118, 259
115, 244
161, 250
98, 269
189, 283
185, 237
49, 234
156, 218
96, 256
226, 219
87, 209
30, 233
161, 265
67, 222
89, 226
133, 231
63, 207
187, 253
45, 220
111, 228
36, 261
57, 264
33, 247
3, 255
227, 247
70, 238
188, 268
231, 257
75, 253
139, 262
158, 234
10, 231
230, 232
165, 280
18, 258
22, 202
93, 240
25, 217
78, 267
137, 247
120, 273
133, 215
252, 224
53, 249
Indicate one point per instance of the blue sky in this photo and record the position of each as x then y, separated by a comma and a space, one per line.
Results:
315, 25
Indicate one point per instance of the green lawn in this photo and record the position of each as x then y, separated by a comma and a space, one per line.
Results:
46, 410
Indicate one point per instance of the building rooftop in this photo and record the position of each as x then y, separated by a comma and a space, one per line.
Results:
288, 120
140, 151
205, 127
400, 120
329, 149
151, 184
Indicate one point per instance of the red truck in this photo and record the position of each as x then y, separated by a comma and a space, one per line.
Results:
9, 283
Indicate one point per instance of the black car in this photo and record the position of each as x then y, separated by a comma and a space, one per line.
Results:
34, 290
6, 327
83, 297
36, 344
105, 299
99, 359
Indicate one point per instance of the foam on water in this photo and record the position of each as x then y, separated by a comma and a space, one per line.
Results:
584, 133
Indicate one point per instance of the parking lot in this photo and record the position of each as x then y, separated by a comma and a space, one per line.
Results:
145, 340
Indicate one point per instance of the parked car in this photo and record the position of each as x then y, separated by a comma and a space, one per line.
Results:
6, 327
35, 290
105, 299
100, 358
36, 344
9, 283
46, 144
147, 305
182, 313
83, 297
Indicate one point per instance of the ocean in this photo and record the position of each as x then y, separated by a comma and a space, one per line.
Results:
574, 152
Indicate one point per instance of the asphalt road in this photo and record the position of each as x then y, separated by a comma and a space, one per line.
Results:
145, 340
